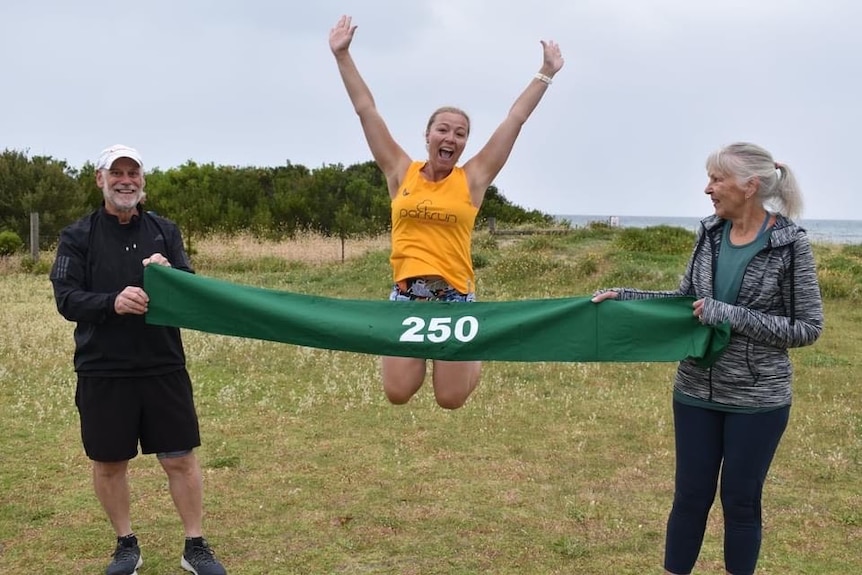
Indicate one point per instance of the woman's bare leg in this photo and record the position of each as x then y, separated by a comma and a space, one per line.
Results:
454, 381
402, 378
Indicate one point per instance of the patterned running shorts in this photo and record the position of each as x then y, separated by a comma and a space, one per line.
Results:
422, 289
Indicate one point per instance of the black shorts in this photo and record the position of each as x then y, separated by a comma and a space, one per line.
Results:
118, 412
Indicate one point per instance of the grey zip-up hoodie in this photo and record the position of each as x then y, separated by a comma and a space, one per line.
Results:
779, 306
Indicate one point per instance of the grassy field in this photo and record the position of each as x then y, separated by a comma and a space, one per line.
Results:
550, 468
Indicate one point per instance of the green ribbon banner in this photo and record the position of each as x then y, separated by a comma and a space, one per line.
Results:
561, 330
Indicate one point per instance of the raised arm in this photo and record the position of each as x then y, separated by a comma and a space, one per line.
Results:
486, 164
390, 157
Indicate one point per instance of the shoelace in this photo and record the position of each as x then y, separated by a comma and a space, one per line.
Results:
200, 555
123, 553
125, 557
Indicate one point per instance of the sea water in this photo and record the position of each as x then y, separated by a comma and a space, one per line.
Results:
823, 231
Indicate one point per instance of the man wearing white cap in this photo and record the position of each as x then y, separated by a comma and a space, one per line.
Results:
133, 386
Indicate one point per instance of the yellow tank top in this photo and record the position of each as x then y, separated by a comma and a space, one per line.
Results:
432, 224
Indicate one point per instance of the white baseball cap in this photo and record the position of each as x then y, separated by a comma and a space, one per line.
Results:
115, 152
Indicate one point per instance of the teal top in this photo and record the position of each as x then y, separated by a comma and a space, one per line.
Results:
732, 261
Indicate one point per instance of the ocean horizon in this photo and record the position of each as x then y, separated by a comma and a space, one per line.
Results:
823, 231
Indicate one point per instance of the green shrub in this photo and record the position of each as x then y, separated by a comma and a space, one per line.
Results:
520, 266
40, 267
480, 260
10, 242
852, 250
485, 241
843, 264
587, 265
538, 243
837, 284
840, 274
656, 240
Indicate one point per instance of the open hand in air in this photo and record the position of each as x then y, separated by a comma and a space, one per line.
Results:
341, 35
552, 58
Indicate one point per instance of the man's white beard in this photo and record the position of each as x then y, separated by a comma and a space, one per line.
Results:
113, 198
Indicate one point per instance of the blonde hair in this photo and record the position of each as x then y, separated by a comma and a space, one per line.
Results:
443, 110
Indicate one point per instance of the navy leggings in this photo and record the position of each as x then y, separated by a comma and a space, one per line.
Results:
741, 447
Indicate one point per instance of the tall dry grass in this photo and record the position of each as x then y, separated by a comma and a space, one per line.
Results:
307, 247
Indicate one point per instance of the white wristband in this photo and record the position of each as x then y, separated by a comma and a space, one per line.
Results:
542, 78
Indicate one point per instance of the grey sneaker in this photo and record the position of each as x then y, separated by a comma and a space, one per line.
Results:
126, 558
201, 560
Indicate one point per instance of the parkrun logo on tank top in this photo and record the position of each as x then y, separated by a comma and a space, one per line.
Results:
425, 211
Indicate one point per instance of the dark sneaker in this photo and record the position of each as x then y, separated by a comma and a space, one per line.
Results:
201, 560
127, 557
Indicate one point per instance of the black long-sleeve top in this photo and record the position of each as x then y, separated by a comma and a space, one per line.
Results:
97, 258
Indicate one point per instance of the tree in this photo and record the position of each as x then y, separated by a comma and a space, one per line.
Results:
204, 199
497, 206
184, 195
346, 225
40, 184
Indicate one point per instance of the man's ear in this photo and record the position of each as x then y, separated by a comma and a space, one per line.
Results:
99, 179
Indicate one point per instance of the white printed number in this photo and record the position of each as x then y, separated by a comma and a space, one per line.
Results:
439, 330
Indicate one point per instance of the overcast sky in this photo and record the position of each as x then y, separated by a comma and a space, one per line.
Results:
649, 88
